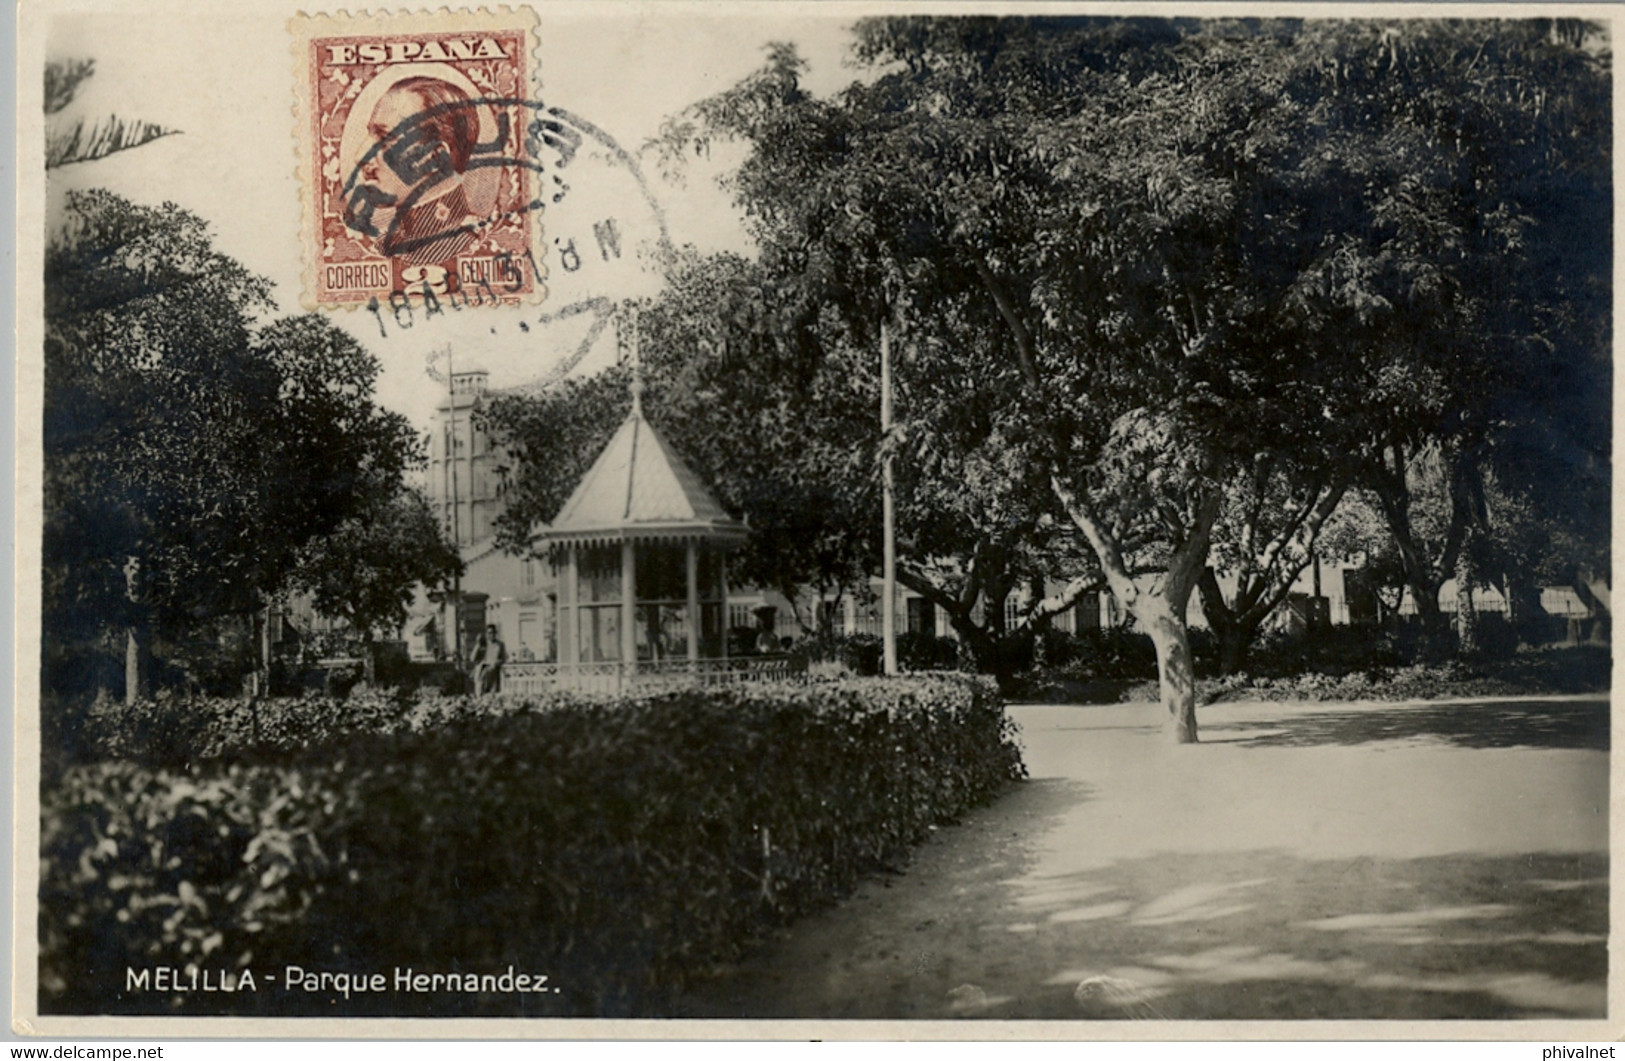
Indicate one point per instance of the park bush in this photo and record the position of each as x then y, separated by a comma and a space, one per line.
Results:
1110, 653
1563, 670
856, 655
920, 652
177, 730
616, 848
860, 655
1333, 650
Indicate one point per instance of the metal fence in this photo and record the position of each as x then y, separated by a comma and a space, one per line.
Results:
613, 676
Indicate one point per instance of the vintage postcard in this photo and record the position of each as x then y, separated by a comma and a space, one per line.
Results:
742, 519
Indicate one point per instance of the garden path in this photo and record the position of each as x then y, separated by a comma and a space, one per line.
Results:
1324, 861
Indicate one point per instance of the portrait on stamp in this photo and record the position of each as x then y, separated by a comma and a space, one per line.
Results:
419, 170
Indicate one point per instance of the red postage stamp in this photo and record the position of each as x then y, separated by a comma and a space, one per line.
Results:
415, 158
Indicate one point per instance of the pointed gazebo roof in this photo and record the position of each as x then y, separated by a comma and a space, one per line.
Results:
639, 488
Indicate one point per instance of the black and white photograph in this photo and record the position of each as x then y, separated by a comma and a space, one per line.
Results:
887, 519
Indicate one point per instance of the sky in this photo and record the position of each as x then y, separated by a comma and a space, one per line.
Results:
225, 78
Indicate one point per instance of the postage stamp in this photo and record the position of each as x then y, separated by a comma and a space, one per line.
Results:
416, 167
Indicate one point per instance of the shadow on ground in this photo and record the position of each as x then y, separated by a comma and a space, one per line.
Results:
1244, 936
1264, 936
1576, 724
1341, 862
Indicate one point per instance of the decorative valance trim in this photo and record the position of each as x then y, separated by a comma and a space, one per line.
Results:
726, 535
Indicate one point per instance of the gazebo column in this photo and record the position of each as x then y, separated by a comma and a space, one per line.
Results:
629, 633
693, 609
722, 576
569, 594
507, 620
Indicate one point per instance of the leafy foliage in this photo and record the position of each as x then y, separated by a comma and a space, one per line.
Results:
189, 454
549, 440
860, 654
738, 384
777, 413
1160, 251
617, 848
1563, 671
1343, 664
62, 80
1481, 249
1268, 530
366, 569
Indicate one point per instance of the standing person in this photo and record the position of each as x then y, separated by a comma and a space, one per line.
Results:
488, 660
766, 644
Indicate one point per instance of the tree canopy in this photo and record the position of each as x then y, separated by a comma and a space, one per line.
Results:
1162, 253
366, 569
190, 451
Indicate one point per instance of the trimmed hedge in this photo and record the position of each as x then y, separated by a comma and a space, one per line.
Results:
181, 730
615, 848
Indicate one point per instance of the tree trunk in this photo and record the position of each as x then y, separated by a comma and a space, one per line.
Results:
827, 617
1174, 666
983, 648
979, 644
1597, 587
137, 665
1231, 629
1234, 641
1467, 640
1388, 482
1523, 608
1425, 595
1039, 627
265, 651
1161, 611
137, 649
1436, 635
1593, 592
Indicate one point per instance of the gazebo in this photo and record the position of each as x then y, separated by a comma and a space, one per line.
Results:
640, 554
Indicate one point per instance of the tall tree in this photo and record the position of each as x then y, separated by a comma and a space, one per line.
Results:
1481, 241
1053, 203
1168, 247
847, 249
188, 455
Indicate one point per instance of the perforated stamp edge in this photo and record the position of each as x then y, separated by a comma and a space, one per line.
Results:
305, 27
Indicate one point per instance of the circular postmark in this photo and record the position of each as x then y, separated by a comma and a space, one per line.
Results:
419, 186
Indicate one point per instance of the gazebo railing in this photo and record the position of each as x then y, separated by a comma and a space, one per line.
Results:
529, 677
613, 676
775, 667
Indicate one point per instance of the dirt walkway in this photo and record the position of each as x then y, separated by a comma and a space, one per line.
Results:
1306, 861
